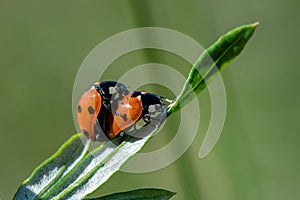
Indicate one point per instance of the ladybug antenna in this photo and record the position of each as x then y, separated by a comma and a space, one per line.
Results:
166, 99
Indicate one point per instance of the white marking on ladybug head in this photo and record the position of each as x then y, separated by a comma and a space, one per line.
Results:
112, 90
152, 109
155, 108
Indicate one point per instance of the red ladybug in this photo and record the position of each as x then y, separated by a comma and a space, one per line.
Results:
99, 97
133, 107
109, 108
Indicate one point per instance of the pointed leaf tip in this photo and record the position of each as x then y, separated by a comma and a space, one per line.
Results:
215, 59
255, 24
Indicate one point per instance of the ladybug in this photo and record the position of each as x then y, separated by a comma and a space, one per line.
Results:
130, 109
109, 108
99, 97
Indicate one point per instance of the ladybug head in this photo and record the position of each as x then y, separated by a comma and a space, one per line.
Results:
88, 108
152, 104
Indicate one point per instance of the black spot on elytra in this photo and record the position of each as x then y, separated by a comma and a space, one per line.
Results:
79, 108
86, 133
125, 117
91, 110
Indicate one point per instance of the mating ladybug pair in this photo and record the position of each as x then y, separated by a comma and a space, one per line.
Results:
109, 107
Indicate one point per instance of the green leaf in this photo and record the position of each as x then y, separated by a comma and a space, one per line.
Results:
97, 167
89, 172
53, 169
146, 194
212, 61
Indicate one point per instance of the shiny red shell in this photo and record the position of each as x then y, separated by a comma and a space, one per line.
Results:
128, 112
88, 108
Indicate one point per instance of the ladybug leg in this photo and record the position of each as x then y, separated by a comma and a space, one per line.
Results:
146, 118
166, 99
134, 127
123, 136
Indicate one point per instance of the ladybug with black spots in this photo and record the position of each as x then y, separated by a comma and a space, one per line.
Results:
97, 99
108, 107
130, 109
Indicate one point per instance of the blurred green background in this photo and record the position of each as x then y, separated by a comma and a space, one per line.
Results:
43, 43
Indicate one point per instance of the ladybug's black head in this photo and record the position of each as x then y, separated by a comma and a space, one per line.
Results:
151, 99
151, 103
